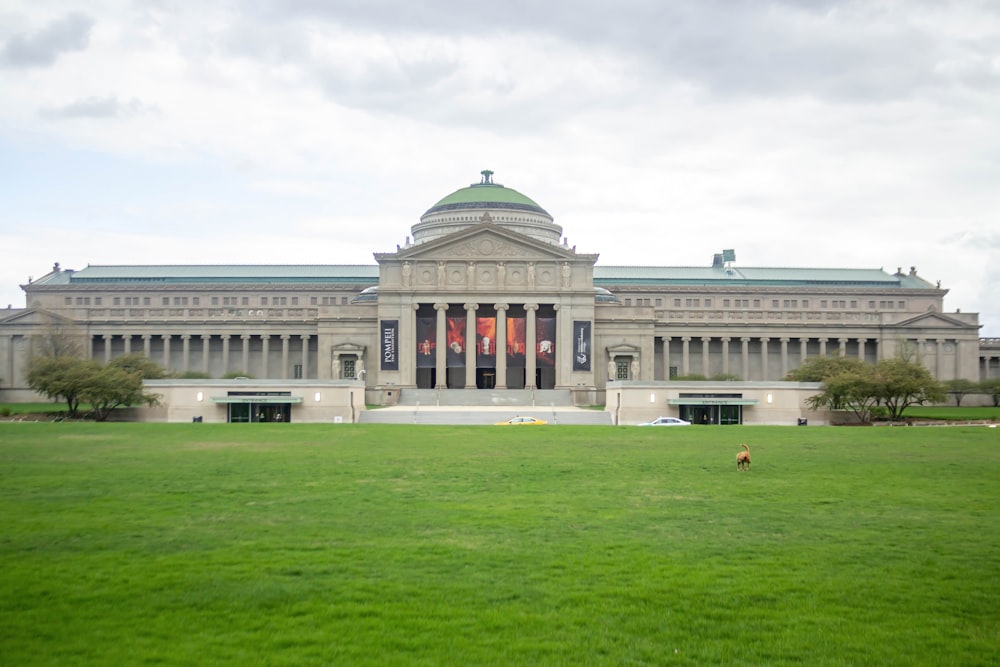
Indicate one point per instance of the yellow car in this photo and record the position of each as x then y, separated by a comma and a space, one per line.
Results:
522, 421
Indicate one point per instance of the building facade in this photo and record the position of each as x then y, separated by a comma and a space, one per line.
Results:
487, 295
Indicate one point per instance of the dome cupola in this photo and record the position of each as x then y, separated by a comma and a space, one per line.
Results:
491, 201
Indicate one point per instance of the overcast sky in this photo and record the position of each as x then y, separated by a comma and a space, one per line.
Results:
803, 133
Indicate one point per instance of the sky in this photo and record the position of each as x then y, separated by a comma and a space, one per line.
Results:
800, 133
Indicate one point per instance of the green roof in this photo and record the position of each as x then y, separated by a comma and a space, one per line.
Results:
217, 273
486, 194
749, 276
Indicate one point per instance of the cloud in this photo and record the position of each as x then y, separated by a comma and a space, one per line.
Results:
43, 48
95, 107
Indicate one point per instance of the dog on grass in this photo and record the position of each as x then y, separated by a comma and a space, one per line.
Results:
743, 458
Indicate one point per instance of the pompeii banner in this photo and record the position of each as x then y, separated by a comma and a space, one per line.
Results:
545, 342
581, 345
516, 341
486, 342
456, 342
390, 348
426, 342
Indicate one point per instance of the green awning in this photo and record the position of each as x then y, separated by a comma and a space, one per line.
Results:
256, 399
712, 401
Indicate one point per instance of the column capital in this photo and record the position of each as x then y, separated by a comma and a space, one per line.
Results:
305, 336
265, 336
822, 340
686, 339
147, 337
531, 307
206, 336
724, 339
245, 336
843, 340
471, 306
744, 339
804, 340
501, 306
556, 306
225, 336
765, 339
166, 336
440, 306
185, 336
415, 306
706, 339
283, 337
108, 336
784, 340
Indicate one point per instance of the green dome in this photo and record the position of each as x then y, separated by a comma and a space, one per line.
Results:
486, 194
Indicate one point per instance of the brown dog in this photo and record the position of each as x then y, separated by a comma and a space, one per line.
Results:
743, 458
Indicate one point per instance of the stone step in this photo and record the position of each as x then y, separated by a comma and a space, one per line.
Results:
527, 398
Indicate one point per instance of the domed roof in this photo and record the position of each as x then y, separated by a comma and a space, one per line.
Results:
490, 201
486, 194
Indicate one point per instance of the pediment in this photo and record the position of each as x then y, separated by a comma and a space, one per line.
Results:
933, 320
35, 317
485, 240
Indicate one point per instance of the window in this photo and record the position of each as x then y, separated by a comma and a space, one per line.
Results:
348, 369
263, 300
343, 300
756, 303
822, 303
854, 304
774, 303
69, 301
805, 303
725, 303
97, 301
196, 300
145, 300
313, 301
295, 300
246, 301
659, 303
902, 305
297, 371
628, 302
677, 303
165, 301
117, 301
621, 369
708, 303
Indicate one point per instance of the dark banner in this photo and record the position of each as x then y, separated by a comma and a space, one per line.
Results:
581, 345
545, 342
456, 342
486, 342
516, 340
426, 342
390, 346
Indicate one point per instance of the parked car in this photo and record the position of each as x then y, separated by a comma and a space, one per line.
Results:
522, 421
666, 421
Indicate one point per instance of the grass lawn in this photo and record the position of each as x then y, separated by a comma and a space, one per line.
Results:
373, 545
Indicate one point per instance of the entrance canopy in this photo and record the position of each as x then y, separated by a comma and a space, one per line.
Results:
712, 401
256, 399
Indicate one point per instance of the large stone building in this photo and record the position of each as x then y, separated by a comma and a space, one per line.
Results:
488, 296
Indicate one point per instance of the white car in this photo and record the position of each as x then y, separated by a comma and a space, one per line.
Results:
666, 421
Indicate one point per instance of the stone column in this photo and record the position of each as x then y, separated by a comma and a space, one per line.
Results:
305, 355
205, 345
146, 344
107, 347
803, 350
666, 357
441, 352
939, 359
185, 352
763, 358
822, 347
225, 353
704, 355
861, 348
686, 355
166, 351
284, 356
501, 342
725, 354
745, 357
245, 353
470, 345
531, 346
842, 352
265, 341
784, 358
128, 343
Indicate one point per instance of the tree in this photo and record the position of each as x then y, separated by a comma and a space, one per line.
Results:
851, 388
58, 339
960, 387
904, 383
992, 388
61, 378
818, 369
112, 386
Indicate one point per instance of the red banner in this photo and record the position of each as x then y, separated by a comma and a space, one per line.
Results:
516, 341
545, 342
456, 342
426, 342
486, 342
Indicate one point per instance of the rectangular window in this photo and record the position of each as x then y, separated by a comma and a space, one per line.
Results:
677, 303
621, 370
263, 300
246, 301
628, 302
196, 300
348, 369
145, 301
117, 301
295, 300
902, 305
313, 301
297, 371
871, 304
69, 301
708, 303
854, 304
165, 301
805, 303
215, 301
756, 303
822, 303
97, 301
659, 303
725, 303
343, 300
774, 303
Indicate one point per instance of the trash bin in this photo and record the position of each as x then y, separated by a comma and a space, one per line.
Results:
803, 422
196, 420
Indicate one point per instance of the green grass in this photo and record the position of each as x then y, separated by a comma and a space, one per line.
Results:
952, 413
391, 545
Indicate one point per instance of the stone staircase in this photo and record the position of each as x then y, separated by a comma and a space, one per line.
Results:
479, 407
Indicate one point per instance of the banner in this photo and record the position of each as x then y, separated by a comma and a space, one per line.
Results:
581, 345
486, 342
545, 342
456, 342
426, 342
390, 347
516, 340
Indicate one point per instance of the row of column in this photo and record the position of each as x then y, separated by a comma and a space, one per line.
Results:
745, 352
441, 358
205, 338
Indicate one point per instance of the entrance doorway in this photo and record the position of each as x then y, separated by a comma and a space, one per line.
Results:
248, 413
